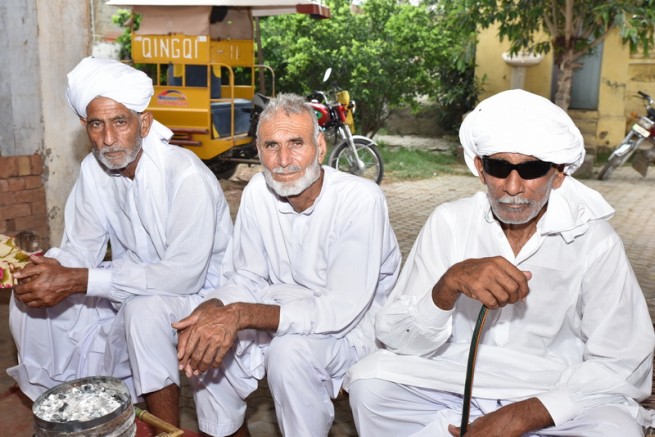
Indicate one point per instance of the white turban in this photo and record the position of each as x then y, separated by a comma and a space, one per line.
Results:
517, 121
95, 77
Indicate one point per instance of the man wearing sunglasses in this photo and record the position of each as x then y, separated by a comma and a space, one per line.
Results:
567, 349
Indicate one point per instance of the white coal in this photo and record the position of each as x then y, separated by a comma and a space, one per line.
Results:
82, 403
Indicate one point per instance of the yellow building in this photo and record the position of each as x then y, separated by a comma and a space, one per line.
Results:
603, 95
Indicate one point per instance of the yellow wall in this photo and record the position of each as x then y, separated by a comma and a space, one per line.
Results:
611, 123
641, 75
498, 75
621, 76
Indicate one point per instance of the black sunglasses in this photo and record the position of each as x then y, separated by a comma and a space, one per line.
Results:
500, 168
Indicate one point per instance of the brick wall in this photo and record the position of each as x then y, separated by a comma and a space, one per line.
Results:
22, 197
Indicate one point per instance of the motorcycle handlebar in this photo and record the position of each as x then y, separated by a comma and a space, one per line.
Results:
647, 97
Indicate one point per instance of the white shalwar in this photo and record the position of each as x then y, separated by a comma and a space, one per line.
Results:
168, 229
329, 268
581, 340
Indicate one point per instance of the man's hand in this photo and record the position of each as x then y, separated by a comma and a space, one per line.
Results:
44, 282
512, 420
206, 336
493, 281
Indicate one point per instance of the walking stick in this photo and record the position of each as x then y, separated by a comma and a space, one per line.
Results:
470, 368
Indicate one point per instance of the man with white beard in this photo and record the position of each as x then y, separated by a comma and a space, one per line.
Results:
312, 259
73, 314
567, 349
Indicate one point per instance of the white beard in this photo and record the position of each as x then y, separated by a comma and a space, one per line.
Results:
118, 165
286, 189
534, 207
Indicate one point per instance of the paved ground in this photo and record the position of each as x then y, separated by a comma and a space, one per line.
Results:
410, 203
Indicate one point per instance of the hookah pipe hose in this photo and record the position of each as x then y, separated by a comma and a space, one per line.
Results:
470, 367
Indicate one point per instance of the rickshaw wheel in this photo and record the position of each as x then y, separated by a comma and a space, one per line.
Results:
221, 168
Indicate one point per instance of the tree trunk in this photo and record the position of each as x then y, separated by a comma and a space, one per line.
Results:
564, 79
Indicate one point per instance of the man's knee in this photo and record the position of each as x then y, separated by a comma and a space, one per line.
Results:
137, 308
148, 321
145, 313
287, 356
367, 394
607, 421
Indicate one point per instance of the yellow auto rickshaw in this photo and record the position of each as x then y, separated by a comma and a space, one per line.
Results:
200, 55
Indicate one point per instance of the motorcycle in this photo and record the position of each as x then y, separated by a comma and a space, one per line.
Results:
354, 154
642, 130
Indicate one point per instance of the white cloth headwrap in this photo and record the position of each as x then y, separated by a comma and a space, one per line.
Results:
95, 77
517, 121
98, 77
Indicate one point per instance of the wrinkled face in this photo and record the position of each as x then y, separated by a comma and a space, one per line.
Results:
289, 153
514, 200
116, 133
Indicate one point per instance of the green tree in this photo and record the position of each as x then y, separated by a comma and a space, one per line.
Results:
125, 19
386, 56
574, 28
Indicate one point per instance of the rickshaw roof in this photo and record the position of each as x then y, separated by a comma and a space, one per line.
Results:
259, 7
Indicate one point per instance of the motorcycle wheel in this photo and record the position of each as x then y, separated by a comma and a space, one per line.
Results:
221, 168
342, 159
615, 161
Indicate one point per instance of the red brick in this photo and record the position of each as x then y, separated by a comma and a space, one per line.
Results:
39, 208
8, 167
29, 196
24, 166
14, 211
7, 198
42, 231
33, 182
31, 222
11, 225
4, 185
16, 184
3, 227
36, 164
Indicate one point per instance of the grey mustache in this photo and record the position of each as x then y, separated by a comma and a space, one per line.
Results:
508, 200
284, 170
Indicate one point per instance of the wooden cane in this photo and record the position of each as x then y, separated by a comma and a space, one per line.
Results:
150, 419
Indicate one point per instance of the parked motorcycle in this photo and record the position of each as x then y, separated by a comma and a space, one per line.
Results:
354, 154
642, 133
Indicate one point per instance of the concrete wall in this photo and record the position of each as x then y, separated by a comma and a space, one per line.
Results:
103, 29
44, 39
21, 122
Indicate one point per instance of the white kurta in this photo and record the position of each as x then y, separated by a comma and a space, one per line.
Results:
582, 337
168, 229
330, 267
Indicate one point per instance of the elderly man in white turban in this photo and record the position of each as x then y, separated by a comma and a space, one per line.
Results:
567, 349
166, 219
